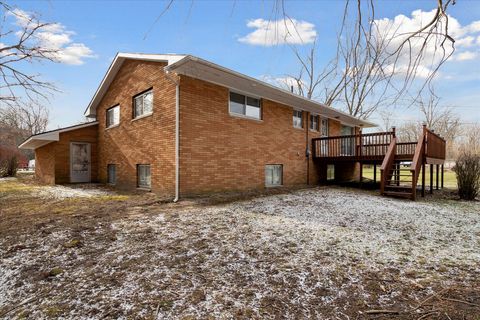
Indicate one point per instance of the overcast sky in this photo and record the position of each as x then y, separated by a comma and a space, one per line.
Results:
234, 34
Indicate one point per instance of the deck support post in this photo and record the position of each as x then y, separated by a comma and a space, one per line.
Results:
375, 173
398, 174
442, 176
436, 172
361, 173
431, 178
423, 180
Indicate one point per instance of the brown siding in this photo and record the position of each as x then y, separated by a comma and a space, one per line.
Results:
223, 152
52, 161
149, 140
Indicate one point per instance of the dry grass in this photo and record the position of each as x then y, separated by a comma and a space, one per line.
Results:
315, 253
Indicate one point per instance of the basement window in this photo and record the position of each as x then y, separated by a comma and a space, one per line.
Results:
113, 116
245, 106
143, 176
111, 174
330, 172
297, 119
273, 175
143, 104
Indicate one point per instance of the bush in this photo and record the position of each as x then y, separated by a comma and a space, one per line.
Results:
8, 161
467, 169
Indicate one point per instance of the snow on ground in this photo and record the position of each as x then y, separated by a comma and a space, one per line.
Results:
307, 254
65, 192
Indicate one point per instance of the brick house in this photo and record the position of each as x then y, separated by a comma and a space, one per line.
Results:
180, 125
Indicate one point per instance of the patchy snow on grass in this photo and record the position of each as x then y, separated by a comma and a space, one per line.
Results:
65, 192
7, 179
316, 253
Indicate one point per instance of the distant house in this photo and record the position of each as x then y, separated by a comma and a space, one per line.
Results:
180, 125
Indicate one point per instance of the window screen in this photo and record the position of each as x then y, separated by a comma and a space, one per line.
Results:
143, 104
113, 116
273, 175
245, 106
143, 175
297, 119
111, 174
314, 122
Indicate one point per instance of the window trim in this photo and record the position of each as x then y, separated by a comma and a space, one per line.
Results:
144, 187
134, 116
281, 178
108, 174
317, 129
302, 118
106, 117
244, 116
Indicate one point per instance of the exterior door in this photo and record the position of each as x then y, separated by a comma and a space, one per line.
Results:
80, 164
347, 144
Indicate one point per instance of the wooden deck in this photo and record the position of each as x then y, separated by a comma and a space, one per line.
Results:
383, 148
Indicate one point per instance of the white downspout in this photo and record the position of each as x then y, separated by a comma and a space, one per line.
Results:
177, 142
177, 134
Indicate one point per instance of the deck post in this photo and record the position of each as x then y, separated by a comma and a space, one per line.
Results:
442, 176
423, 179
436, 172
398, 174
374, 173
361, 173
431, 178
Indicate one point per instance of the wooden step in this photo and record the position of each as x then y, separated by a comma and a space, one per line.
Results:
409, 187
398, 194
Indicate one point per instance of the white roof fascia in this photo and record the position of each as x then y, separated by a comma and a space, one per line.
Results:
117, 62
210, 72
42, 139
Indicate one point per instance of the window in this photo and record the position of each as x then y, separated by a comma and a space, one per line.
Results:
330, 172
245, 106
143, 104
313, 122
113, 116
273, 175
143, 176
111, 174
297, 119
324, 127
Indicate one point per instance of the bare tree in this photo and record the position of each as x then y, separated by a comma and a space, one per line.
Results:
30, 118
441, 119
374, 65
21, 43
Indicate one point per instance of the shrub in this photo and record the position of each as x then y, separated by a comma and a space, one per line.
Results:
467, 169
8, 161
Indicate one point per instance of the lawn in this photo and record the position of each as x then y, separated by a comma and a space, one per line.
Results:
449, 178
324, 253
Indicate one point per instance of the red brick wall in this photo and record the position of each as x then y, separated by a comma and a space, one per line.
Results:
223, 152
52, 161
45, 163
149, 140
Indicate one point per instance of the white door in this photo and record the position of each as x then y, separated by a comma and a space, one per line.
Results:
80, 166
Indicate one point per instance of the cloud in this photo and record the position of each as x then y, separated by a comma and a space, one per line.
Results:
285, 31
466, 55
402, 26
55, 38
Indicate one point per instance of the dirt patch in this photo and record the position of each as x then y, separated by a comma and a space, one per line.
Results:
317, 253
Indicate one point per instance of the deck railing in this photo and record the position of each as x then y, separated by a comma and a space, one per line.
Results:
370, 144
374, 145
435, 145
